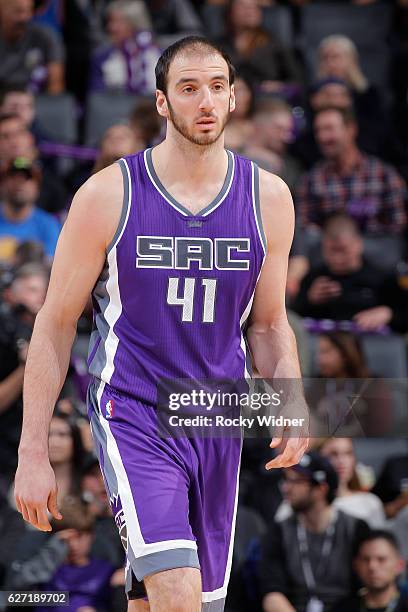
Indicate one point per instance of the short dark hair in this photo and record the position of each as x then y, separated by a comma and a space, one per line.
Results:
347, 114
76, 515
378, 534
269, 106
341, 219
198, 43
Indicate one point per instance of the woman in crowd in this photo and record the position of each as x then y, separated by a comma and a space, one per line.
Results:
338, 57
351, 497
66, 454
346, 400
252, 48
127, 61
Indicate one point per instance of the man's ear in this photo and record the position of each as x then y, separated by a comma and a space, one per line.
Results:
232, 99
161, 104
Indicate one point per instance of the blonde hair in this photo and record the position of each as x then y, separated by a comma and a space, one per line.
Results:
355, 77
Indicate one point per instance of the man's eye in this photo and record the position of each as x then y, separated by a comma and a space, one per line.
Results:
188, 89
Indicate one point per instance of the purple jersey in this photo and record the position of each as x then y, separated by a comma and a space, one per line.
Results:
177, 288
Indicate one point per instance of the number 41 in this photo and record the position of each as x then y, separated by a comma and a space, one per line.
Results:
187, 301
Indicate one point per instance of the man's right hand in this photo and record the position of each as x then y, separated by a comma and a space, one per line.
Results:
322, 290
35, 492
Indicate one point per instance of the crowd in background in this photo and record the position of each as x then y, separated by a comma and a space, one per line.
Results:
321, 93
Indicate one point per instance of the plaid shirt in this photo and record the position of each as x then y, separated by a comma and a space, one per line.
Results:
372, 192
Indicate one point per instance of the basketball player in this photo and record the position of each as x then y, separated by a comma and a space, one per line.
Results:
179, 244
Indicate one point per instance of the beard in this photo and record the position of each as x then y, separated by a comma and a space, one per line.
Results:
198, 139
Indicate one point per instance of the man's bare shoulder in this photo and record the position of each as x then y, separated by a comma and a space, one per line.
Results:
97, 205
276, 205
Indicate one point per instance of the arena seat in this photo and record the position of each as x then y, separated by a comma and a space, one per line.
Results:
278, 20
375, 451
368, 26
57, 117
213, 18
103, 110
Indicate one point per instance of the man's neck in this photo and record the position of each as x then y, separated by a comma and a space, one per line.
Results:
20, 214
178, 160
347, 161
381, 599
317, 519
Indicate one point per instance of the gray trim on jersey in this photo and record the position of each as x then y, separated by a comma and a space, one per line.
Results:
164, 560
185, 211
248, 360
101, 331
213, 606
99, 436
125, 205
258, 207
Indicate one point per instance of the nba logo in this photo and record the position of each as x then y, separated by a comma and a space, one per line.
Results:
109, 409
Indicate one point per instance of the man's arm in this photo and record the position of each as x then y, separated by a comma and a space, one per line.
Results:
79, 259
270, 337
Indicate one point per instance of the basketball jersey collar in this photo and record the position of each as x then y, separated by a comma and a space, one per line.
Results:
174, 203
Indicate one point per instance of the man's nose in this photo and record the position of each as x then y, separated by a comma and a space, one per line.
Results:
206, 102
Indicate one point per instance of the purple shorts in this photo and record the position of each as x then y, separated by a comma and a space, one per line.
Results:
174, 499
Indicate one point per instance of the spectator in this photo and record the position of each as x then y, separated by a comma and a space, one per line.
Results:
64, 562
239, 128
21, 102
347, 180
174, 17
378, 564
306, 558
29, 251
253, 49
118, 141
376, 133
392, 485
127, 61
273, 131
351, 498
32, 55
20, 218
345, 286
146, 123
108, 543
347, 400
17, 141
22, 301
66, 453
338, 57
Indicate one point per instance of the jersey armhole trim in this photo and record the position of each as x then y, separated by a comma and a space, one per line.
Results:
257, 206
127, 198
